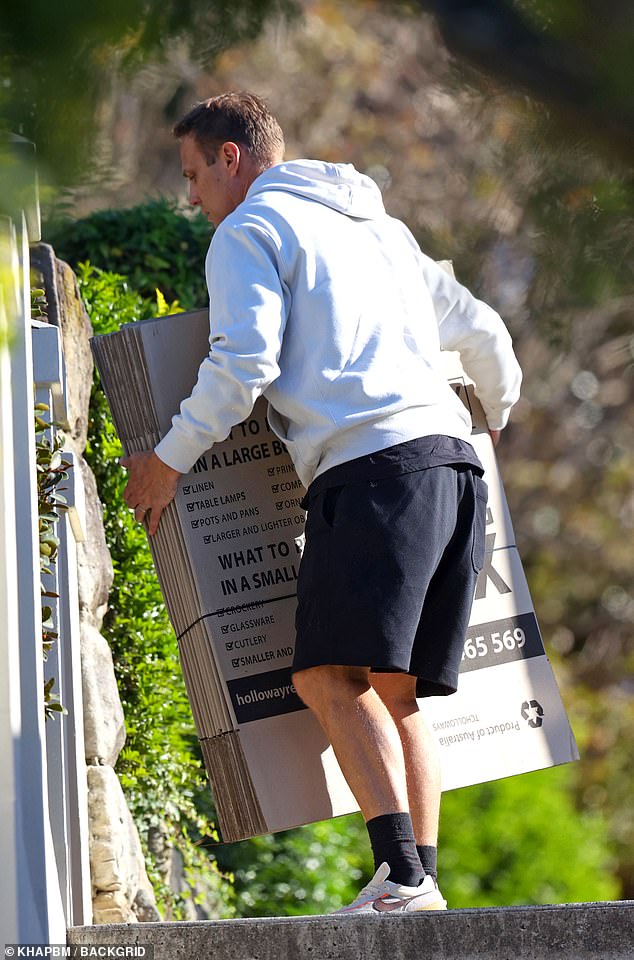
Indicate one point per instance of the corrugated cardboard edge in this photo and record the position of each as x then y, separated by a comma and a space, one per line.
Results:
239, 813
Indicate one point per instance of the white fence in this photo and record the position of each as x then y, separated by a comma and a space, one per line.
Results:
44, 873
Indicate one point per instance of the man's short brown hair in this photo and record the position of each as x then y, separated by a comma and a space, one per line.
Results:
241, 118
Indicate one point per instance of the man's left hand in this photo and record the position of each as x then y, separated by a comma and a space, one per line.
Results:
151, 486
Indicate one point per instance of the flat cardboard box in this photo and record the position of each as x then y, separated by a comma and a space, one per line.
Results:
227, 555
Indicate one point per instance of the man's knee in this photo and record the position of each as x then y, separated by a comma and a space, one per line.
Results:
397, 691
322, 685
306, 682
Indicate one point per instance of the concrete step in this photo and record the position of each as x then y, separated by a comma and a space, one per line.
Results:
578, 931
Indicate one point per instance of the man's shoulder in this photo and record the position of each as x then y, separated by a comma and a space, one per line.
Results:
248, 227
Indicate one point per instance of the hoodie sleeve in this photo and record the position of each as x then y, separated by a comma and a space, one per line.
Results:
478, 333
247, 320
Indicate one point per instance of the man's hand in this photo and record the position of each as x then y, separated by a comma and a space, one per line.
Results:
151, 486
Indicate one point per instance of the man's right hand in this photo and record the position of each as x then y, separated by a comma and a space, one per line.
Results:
151, 486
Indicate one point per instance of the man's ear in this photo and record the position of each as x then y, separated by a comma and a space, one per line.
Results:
230, 155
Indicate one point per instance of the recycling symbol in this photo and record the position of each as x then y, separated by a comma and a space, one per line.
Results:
533, 713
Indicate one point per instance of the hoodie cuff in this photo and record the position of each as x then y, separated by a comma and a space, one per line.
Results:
177, 452
498, 420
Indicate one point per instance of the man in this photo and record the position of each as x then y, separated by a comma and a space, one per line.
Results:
326, 305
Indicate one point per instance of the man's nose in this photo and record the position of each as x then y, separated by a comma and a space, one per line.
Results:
194, 199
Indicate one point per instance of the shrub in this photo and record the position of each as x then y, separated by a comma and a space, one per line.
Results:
151, 245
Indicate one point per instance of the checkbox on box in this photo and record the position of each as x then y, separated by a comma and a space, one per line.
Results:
225, 628
186, 489
229, 645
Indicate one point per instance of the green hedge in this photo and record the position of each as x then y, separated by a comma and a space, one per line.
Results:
152, 245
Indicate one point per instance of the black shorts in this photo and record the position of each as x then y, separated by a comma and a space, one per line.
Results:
389, 572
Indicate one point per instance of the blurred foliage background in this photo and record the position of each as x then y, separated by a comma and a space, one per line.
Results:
55, 60
526, 185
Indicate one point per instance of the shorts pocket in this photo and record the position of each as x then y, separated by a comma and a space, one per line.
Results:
478, 544
329, 505
322, 510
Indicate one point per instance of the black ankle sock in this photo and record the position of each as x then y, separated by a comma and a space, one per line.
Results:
428, 857
392, 840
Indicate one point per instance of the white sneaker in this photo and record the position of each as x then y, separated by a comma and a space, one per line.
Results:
380, 895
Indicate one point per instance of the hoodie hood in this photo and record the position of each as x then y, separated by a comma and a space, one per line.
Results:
336, 185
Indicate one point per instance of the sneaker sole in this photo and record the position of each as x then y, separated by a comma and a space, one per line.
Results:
438, 905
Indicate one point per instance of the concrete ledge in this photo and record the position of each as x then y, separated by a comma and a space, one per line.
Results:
581, 931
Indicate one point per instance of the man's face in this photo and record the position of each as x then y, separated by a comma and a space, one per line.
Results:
214, 186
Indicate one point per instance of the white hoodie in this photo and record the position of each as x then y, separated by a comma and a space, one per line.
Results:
326, 305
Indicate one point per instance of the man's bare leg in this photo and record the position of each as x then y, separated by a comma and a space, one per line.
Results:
368, 744
363, 735
422, 763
